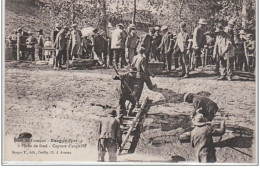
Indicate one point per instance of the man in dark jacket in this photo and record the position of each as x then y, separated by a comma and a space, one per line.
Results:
60, 46
166, 48
147, 43
201, 139
21, 44
126, 91
203, 105
110, 137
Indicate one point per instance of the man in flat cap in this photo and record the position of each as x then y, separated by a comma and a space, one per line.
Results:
126, 92
21, 44
250, 47
207, 51
146, 43
30, 42
240, 51
40, 44
157, 39
55, 32
131, 43
182, 43
199, 40
224, 51
99, 44
76, 42
60, 46
166, 48
143, 73
118, 38
110, 137
13, 43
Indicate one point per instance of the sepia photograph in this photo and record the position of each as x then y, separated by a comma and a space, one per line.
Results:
130, 82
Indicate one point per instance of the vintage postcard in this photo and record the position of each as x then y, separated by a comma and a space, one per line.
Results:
132, 82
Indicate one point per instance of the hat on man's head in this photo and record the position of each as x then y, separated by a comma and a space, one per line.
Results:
219, 29
249, 35
183, 25
199, 120
207, 33
113, 113
242, 32
142, 49
120, 24
231, 22
163, 28
58, 25
157, 28
203, 21
131, 26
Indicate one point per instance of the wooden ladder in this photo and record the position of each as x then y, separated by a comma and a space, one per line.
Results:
129, 125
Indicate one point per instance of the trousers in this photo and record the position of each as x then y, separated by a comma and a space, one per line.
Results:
107, 145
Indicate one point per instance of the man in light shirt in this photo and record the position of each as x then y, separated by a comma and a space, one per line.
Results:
224, 49
118, 38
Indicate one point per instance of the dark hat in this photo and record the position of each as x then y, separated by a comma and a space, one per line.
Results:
113, 113
182, 24
199, 120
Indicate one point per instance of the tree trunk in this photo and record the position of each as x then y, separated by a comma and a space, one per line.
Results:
134, 12
104, 19
245, 4
72, 11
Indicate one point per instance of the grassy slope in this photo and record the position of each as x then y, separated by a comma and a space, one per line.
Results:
26, 14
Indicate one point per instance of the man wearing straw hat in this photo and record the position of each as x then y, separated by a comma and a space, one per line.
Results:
224, 50
199, 40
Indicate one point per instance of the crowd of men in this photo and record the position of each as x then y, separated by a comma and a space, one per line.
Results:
226, 47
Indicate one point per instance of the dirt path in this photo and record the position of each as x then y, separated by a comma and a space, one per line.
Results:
68, 105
